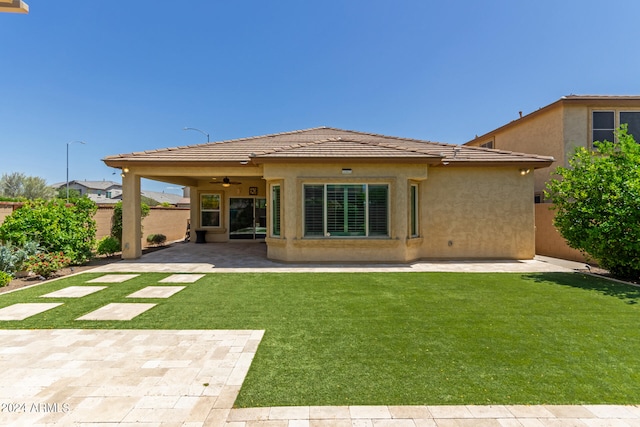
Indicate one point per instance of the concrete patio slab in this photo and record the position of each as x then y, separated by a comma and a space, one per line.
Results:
22, 311
113, 278
182, 278
117, 311
74, 292
156, 292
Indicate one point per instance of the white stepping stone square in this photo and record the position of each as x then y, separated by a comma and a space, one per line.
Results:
113, 278
182, 278
117, 311
23, 310
156, 292
74, 292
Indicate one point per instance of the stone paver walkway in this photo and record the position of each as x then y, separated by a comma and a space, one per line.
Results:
122, 377
21, 311
156, 292
191, 378
118, 311
74, 292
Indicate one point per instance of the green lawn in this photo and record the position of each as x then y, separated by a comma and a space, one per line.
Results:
400, 338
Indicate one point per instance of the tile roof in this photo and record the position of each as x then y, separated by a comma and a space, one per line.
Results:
325, 143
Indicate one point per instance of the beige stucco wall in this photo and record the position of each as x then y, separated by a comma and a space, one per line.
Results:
465, 213
5, 210
542, 135
549, 242
477, 213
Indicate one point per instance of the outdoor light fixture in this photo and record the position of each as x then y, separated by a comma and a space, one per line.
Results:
346, 171
226, 182
524, 171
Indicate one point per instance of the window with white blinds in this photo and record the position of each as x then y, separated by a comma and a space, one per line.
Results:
339, 210
275, 210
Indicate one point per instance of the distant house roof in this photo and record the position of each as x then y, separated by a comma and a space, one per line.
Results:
325, 144
590, 100
92, 185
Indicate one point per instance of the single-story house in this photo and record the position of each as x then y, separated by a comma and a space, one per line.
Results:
327, 194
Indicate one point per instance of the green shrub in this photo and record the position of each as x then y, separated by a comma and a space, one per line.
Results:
156, 239
116, 219
5, 278
54, 226
13, 258
108, 246
45, 264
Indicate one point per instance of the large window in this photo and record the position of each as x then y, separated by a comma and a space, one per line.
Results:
339, 210
275, 210
210, 210
605, 122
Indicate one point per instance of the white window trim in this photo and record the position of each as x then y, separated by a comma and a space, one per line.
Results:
219, 210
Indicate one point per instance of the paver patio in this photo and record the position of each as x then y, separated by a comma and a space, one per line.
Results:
113, 278
118, 311
23, 310
156, 292
74, 292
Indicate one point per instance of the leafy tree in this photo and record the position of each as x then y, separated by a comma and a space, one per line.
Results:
36, 188
116, 220
597, 201
18, 185
54, 226
73, 194
11, 185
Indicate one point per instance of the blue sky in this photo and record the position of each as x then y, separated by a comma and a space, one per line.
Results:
130, 76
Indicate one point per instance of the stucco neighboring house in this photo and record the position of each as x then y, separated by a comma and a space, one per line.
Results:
104, 189
556, 130
327, 194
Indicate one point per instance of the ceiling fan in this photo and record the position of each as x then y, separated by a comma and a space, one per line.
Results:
226, 182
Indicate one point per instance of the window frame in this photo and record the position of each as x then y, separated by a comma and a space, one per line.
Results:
617, 112
414, 210
276, 211
324, 208
212, 210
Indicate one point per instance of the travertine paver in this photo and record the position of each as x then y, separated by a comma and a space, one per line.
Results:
21, 311
156, 292
113, 278
74, 292
117, 311
182, 278
96, 377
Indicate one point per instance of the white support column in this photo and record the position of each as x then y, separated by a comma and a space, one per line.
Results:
131, 223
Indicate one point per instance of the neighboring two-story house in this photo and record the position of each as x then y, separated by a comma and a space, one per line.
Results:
556, 130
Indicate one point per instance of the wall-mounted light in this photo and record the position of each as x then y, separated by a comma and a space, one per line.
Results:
125, 170
524, 171
346, 171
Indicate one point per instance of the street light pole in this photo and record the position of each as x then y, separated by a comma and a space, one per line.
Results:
201, 131
68, 144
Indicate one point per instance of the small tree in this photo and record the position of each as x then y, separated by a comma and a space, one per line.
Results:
116, 220
597, 203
